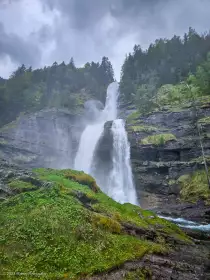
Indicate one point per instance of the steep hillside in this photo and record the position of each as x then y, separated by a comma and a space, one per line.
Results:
58, 224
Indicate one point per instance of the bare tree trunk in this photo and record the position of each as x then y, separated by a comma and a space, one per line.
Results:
200, 139
203, 155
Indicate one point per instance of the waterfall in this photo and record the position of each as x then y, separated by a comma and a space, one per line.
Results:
121, 187
87, 146
120, 182
93, 132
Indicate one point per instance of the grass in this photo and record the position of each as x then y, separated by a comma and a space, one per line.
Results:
18, 185
133, 118
142, 128
158, 139
51, 231
194, 187
140, 274
204, 121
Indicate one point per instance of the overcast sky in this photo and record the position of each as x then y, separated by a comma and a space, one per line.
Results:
39, 32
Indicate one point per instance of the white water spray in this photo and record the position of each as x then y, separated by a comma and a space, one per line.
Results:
93, 132
120, 183
121, 187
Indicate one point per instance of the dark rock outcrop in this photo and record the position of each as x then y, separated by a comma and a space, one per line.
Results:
191, 263
157, 167
103, 156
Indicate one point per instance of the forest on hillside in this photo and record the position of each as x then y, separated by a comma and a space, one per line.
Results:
60, 85
169, 71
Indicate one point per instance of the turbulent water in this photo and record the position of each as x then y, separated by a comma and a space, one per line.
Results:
94, 131
120, 182
120, 185
88, 142
188, 224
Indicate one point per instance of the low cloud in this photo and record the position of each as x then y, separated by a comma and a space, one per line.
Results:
39, 32
19, 50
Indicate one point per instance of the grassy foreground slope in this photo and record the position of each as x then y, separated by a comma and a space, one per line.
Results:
58, 224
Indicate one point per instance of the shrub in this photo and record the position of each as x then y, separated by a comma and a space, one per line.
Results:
83, 179
204, 121
194, 187
158, 139
133, 118
142, 128
107, 223
173, 95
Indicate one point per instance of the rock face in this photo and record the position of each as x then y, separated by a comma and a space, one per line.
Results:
157, 166
188, 263
48, 138
103, 156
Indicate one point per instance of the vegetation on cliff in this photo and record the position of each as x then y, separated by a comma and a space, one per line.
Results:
158, 139
142, 128
194, 187
59, 224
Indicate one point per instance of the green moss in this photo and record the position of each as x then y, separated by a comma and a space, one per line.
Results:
139, 274
171, 182
142, 128
183, 178
110, 224
200, 159
73, 175
194, 187
51, 231
11, 125
21, 186
133, 118
3, 142
158, 139
204, 121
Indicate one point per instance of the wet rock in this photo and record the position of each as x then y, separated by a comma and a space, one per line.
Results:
184, 263
157, 167
48, 138
197, 212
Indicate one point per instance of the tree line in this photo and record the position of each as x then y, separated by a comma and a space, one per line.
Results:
60, 85
167, 61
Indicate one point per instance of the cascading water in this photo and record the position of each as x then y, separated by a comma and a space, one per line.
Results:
121, 187
93, 132
120, 183
87, 146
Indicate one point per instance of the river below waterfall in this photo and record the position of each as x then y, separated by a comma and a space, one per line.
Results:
188, 224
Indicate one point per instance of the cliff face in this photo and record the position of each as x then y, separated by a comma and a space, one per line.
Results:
165, 150
47, 138
165, 153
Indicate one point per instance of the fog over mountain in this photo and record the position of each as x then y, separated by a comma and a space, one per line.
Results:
39, 32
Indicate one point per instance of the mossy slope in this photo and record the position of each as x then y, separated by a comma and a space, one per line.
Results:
194, 187
67, 228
